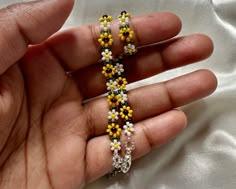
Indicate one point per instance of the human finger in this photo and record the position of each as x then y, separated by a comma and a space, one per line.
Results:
27, 23
154, 99
78, 47
147, 62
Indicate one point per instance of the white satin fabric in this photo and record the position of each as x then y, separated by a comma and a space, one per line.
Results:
204, 155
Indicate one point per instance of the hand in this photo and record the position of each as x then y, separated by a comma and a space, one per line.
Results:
49, 137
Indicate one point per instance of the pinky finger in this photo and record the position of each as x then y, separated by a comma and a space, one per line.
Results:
149, 134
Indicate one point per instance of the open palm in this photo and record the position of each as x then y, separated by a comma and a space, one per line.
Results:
50, 137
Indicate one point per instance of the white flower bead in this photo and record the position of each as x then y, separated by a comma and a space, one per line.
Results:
119, 68
105, 26
128, 128
115, 146
124, 21
106, 55
130, 49
124, 97
113, 115
111, 85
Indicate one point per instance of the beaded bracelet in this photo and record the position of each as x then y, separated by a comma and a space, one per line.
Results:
117, 99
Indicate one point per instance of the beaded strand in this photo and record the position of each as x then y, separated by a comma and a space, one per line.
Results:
110, 71
126, 33
127, 36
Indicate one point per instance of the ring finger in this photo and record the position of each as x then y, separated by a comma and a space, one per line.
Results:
147, 62
154, 99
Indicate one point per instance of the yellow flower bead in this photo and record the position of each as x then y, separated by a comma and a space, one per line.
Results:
113, 100
126, 34
105, 40
128, 15
110, 18
108, 70
121, 83
126, 112
114, 130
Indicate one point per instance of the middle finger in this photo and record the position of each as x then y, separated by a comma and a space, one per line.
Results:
147, 62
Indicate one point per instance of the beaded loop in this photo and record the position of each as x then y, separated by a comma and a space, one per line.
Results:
126, 34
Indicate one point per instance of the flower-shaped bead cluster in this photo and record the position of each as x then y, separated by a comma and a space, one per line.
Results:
124, 18
126, 34
108, 70
119, 68
123, 97
111, 85
114, 130
107, 55
130, 49
113, 100
121, 83
105, 26
113, 115
128, 128
105, 40
126, 112
105, 23
115, 145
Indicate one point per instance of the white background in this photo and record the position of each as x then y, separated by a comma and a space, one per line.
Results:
204, 156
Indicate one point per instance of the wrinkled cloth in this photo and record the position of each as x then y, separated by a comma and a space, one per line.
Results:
204, 155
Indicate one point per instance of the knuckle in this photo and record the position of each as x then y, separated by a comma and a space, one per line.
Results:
147, 135
168, 95
95, 33
23, 16
16, 8
18, 14
90, 120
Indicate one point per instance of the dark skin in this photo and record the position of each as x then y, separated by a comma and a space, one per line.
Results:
50, 136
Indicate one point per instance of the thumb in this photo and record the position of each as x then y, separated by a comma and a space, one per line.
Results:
27, 23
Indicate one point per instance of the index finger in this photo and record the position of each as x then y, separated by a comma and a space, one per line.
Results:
27, 23
78, 47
